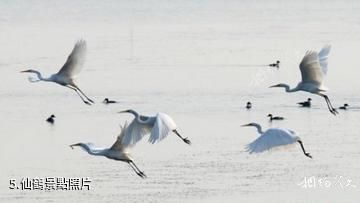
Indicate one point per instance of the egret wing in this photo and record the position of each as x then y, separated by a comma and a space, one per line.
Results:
292, 132
163, 125
271, 138
310, 69
75, 61
167, 120
135, 132
323, 58
118, 145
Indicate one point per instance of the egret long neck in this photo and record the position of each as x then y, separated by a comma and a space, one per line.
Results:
258, 128
136, 114
139, 118
38, 74
40, 77
288, 89
92, 151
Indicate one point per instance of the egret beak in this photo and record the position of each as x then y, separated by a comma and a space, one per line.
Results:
125, 111
25, 71
73, 145
245, 125
274, 86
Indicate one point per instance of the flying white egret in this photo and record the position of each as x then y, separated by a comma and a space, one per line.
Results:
313, 68
118, 151
275, 117
273, 137
65, 76
158, 127
305, 103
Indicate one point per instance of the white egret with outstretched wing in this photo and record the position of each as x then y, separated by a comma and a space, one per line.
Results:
272, 138
313, 69
158, 127
66, 74
118, 151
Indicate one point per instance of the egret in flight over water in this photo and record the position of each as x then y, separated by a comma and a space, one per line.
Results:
118, 151
313, 68
158, 127
65, 76
273, 137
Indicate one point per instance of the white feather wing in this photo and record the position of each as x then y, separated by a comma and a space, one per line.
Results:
135, 132
163, 125
75, 61
310, 69
323, 58
273, 137
118, 145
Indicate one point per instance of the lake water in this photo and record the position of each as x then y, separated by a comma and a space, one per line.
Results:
198, 61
